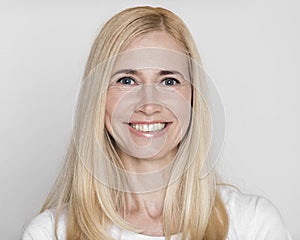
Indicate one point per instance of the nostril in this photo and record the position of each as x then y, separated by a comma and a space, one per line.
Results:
149, 108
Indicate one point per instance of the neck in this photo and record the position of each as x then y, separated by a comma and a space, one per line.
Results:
146, 204
147, 175
147, 180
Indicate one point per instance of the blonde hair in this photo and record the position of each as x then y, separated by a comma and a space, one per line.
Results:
192, 204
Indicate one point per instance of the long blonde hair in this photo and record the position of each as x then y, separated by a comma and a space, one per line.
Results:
93, 207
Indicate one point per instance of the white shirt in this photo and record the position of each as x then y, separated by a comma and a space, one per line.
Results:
250, 217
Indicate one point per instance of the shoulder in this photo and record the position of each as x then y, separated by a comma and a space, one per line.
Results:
42, 227
252, 216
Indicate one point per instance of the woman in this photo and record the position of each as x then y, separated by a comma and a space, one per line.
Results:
137, 165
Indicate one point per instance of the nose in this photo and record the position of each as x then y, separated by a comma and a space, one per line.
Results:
148, 100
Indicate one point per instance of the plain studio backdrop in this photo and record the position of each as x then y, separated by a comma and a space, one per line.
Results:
250, 49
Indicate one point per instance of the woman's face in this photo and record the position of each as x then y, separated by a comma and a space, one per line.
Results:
148, 104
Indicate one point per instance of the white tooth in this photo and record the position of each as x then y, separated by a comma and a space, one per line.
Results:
145, 128
151, 128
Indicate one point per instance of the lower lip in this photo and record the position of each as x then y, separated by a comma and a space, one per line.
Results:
150, 134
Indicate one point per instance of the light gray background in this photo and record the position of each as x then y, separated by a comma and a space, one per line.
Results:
250, 48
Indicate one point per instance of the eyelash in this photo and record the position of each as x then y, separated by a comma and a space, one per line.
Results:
175, 81
163, 82
124, 78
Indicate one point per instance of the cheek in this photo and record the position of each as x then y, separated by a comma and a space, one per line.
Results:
183, 108
186, 97
110, 105
188, 94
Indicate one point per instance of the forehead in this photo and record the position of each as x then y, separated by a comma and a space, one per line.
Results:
153, 58
155, 39
153, 50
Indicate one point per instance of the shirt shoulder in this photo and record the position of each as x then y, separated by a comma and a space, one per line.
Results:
42, 227
252, 217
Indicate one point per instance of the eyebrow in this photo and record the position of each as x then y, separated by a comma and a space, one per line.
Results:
135, 72
127, 71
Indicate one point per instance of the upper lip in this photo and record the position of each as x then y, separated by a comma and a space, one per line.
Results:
148, 122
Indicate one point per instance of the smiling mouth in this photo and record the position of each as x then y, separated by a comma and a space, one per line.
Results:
152, 127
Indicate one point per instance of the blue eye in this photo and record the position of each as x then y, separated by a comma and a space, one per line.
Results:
170, 82
126, 81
